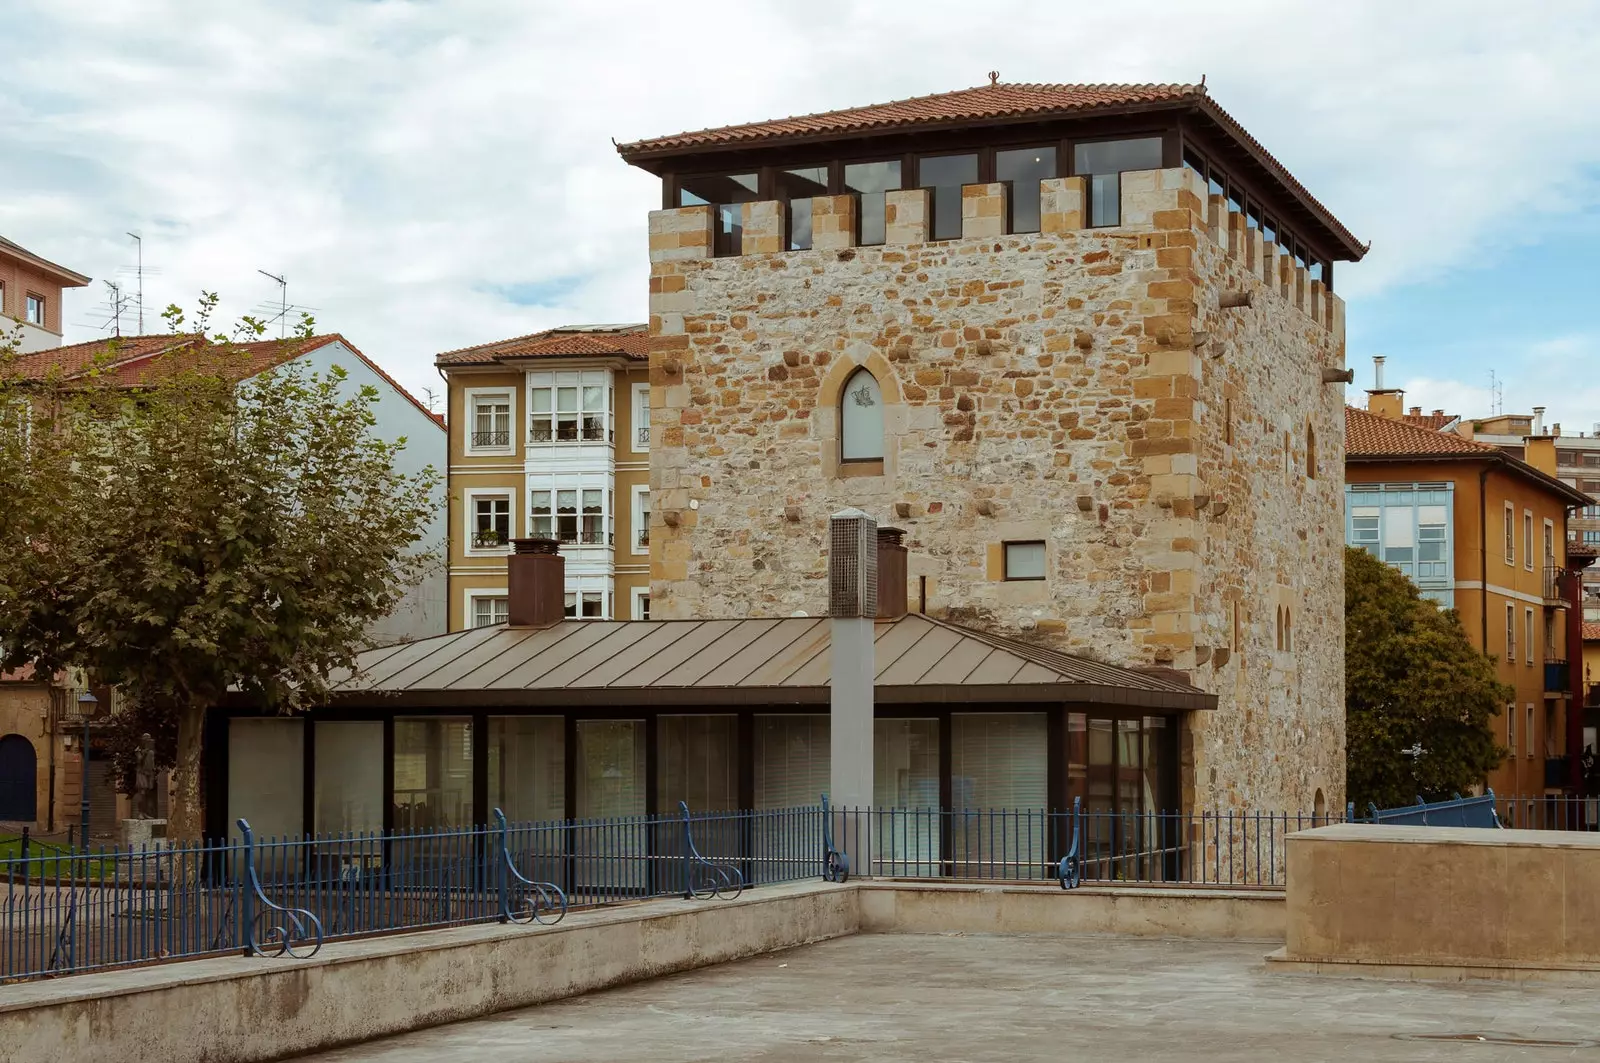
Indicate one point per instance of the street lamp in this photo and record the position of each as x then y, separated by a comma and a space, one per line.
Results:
87, 703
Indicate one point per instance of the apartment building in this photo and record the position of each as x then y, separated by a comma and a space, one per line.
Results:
1480, 530
550, 437
30, 296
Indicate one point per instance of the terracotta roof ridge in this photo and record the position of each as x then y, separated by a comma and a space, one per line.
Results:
1176, 89
575, 330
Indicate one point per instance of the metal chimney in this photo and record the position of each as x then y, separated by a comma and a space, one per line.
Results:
852, 606
1538, 420
1377, 372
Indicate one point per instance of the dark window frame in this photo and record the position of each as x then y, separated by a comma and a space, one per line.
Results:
28, 299
1005, 560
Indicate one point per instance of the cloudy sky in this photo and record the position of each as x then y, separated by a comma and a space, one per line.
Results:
433, 175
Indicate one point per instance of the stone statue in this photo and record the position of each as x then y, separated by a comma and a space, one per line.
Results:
145, 780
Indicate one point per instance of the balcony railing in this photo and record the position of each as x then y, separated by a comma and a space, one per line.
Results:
491, 439
487, 538
1556, 674
570, 433
1552, 585
643, 437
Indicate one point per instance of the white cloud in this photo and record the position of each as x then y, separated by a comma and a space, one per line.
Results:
407, 165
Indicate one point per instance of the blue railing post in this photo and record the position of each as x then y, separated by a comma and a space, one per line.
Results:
688, 847
246, 907
502, 886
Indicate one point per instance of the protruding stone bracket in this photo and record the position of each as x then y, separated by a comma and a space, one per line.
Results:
1233, 300
1338, 376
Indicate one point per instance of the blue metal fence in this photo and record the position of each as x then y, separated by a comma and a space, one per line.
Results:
66, 912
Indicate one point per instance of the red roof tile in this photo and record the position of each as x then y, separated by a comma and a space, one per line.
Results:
1591, 631
1431, 421
569, 341
1367, 434
963, 105
989, 103
129, 359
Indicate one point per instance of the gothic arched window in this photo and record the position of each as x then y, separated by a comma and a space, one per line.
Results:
861, 418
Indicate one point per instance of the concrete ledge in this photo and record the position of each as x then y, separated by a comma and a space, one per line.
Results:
1572, 974
237, 1009
938, 907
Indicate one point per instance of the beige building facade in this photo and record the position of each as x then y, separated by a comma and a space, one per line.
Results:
550, 436
1083, 356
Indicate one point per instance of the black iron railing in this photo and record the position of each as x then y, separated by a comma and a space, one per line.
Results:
491, 439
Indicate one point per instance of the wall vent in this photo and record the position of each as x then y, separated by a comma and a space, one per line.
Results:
852, 564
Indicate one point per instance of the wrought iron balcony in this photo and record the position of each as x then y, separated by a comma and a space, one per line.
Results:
643, 436
1553, 598
491, 439
487, 538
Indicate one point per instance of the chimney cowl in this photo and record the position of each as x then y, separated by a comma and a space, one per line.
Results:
535, 545
1416, 411
892, 577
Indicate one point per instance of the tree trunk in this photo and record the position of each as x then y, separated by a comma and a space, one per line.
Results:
186, 818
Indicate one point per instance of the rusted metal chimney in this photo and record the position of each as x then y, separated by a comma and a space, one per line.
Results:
536, 582
891, 573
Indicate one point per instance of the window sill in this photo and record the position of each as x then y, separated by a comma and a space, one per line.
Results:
849, 470
489, 452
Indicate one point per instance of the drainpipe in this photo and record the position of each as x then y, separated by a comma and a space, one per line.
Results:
1483, 551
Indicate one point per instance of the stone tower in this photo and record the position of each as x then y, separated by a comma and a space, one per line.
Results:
1079, 341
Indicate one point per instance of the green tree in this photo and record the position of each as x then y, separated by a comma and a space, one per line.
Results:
1419, 697
197, 531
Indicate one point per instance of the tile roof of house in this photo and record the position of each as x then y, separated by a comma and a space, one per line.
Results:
1371, 438
1368, 434
751, 661
568, 341
1001, 101
1434, 421
69, 278
1591, 631
128, 360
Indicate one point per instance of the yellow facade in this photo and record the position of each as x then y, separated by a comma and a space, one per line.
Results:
501, 464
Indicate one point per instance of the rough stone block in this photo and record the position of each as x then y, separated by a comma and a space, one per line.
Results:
1061, 204
764, 226
833, 222
680, 234
905, 216
983, 211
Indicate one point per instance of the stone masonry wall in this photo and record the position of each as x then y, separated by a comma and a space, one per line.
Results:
1079, 386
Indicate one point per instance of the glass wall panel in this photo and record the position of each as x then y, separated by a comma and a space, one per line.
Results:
528, 767
944, 175
611, 784
870, 180
796, 188
1023, 169
905, 775
698, 763
1102, 162
793, 762
724, 192
432, 773
347, 787
999, 772
266, 776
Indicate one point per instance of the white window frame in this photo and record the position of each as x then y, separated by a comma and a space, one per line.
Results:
580, 585
639, 521
633, 602
1527, 539
27, 309
577, 380
1511, 534
471, 397
469, 517
1550, 543
1511, 728
641, 404
1529, 739
469, 602
1511, 633
1527, 634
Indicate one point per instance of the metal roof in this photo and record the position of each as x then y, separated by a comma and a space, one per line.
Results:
650, 663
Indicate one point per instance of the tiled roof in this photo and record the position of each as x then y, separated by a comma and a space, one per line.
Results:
963, 105
128, 360
568, 341
69, 278
1432, 421
1591, 631
996, 102
1367, 434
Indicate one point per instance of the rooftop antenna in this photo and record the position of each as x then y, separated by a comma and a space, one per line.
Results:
1496, 395
117, 302
138, 243
283, 300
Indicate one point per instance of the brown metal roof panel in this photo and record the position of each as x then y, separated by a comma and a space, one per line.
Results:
640, 657
998, 667
379, 674
366, 659
1036, 673
663, 668
536, 658
615, 638
956, 665
692, 670
418, 672
758, 656
913, 665
506, 646
809, 653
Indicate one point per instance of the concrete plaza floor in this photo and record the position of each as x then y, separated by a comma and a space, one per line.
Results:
903, 997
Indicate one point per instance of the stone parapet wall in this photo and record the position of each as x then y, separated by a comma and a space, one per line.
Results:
1083, 387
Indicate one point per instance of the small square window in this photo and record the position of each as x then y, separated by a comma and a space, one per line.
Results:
1024, 560
487, 611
